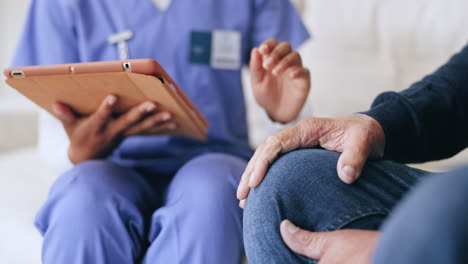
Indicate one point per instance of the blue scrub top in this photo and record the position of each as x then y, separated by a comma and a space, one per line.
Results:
66, 31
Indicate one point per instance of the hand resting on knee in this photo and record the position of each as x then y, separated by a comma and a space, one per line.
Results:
358, 137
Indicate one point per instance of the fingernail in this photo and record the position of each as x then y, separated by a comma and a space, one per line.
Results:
148, 107
111, 99
276, 71
242, 203
349, 172
166, 117
267, 63
171, 126
290, 226
264, 48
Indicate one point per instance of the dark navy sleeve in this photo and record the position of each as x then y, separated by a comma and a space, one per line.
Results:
428, 121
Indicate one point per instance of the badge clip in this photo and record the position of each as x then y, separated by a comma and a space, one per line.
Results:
120, 39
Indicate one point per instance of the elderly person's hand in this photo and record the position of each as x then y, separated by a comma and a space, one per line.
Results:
280, 82
358, 137
350, 246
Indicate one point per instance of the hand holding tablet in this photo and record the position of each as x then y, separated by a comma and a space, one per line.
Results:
95, 136
81, 88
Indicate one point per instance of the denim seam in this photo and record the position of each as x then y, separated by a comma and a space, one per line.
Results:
346, 219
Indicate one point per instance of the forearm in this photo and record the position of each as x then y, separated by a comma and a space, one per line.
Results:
428, 121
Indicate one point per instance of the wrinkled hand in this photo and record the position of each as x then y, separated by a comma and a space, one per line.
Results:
358, 137
95, 136
349, 246
280, 82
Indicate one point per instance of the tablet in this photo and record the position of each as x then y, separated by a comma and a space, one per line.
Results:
83, 86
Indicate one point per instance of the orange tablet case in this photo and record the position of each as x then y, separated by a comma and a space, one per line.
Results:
83, 86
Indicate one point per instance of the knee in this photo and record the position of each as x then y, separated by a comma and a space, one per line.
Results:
87, 180
85, 177
310, 172
297, 177
210, 176
83, 199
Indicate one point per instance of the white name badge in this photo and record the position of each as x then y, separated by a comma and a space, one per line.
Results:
226, 49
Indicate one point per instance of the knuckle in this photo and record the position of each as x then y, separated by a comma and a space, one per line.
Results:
288, 60
272, 41
286, 46
308, 121
103, 114
134, 116
275, 56
272, 140
106, 109
317, 242
113, 131
306, 238
295, 56
156, 121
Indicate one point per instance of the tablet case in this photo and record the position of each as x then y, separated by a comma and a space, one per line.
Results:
84, 92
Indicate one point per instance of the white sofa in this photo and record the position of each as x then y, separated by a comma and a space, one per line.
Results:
360, 49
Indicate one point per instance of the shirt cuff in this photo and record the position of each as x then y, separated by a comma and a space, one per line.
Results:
392, 111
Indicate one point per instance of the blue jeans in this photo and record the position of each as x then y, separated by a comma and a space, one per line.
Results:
430, 225
303, 186
100, 212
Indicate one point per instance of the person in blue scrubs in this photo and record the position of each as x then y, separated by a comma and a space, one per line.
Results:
159, 199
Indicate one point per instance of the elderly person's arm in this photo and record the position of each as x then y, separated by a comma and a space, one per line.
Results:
428, 121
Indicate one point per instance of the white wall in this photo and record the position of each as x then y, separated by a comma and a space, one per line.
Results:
362, 48
18, 117
12, 14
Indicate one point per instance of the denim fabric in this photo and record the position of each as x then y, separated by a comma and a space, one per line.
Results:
430, 225
303, 186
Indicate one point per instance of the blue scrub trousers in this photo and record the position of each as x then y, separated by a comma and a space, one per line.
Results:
100, 212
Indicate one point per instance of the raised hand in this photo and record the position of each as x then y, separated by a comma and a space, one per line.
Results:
280, 82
